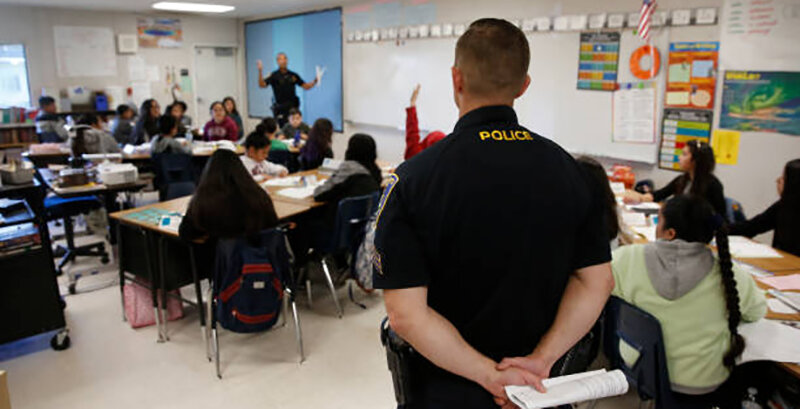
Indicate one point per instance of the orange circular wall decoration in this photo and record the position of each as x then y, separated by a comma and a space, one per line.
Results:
636, 60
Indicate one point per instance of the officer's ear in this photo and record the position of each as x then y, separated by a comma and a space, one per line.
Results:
525, 86
458, 80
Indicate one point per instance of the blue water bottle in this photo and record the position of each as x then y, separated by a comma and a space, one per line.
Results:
297, 137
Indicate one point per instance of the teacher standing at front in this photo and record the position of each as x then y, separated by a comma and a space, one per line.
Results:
283, 82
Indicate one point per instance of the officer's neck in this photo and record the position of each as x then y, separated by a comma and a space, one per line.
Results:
468, 105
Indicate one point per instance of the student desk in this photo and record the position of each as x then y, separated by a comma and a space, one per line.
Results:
157, 254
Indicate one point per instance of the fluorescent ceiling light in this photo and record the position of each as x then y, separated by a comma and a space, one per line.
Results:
192, 7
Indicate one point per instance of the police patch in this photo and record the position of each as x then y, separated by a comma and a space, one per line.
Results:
393, 179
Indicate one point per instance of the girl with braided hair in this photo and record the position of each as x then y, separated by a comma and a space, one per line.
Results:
699, 298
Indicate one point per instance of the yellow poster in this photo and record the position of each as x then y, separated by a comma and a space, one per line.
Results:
726, 146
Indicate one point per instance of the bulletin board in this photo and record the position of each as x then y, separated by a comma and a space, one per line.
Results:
691, 76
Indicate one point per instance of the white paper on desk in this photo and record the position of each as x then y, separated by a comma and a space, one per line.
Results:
298, 192
286, 181
634, 219
767, 340
587, 386
646, 206
779, 307
649, 232
743, 247
754, 271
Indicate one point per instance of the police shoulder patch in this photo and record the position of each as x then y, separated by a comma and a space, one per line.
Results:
393, 179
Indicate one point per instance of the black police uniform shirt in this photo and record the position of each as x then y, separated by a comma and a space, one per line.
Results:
493, 220
283, 84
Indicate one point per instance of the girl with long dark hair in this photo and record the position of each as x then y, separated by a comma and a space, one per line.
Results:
783, 216
699, 298
230, 108
697, 163
318, 147
357, 176
598, 179
147, 125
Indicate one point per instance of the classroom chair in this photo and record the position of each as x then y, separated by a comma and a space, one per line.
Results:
351, 219
284, 158
174, 175
64, 209
630, 328
272, 245
734, 210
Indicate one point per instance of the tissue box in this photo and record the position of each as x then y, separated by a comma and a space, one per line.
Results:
117, 173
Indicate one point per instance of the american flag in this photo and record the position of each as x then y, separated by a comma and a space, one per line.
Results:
648, 7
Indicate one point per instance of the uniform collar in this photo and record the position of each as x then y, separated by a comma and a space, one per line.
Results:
486, 115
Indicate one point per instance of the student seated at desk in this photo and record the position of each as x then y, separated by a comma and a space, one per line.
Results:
176, 110
295, 125
257, 146
90, 137
269, 127
318, 147
413, 145
230, 108
221, 126
783, 216
598, 179
165, 141
228, 203
147, 124
357, 176
49, 126
697, 162
698, 298
121, 128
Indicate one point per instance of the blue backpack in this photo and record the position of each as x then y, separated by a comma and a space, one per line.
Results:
249, 281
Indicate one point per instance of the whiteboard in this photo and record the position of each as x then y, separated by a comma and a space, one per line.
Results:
760, 37
379, 78
85, 51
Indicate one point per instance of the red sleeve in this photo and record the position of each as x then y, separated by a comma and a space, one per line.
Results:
412, 133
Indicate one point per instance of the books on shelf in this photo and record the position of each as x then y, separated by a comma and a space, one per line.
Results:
19, 238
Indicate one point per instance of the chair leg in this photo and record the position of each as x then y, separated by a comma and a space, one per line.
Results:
207, 329
308, 293
327, 272
298, 332
352, 296
163, 292
216, 351
199, 294
121, 274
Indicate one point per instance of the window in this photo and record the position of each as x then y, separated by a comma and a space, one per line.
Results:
14, 90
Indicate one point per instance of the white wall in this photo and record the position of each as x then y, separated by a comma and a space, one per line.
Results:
33, 27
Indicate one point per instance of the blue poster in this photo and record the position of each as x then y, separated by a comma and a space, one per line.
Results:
761, 101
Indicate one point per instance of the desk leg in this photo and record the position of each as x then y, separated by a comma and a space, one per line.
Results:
199, 293
153, 289
161, 273
121, 275
110, 199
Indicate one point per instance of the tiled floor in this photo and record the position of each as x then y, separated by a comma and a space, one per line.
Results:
111, 365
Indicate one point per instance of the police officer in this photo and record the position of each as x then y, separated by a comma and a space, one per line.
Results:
283, 84
491, 246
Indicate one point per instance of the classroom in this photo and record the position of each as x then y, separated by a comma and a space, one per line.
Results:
400, 204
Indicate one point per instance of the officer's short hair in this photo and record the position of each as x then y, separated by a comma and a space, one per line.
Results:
493, 56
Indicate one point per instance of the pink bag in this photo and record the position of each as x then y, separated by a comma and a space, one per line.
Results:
139, 306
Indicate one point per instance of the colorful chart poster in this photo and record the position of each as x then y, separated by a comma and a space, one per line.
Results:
159, 32
599, 57
761, 101
691, 75
681, 126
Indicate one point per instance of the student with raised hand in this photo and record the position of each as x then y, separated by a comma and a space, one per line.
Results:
357, 176
122, 129
221, 126
50, 126
295, 125
318, 147
90, 137
699, 298
165, 141
413, 144
697, 163
783, 216
227, 203
257, 147
230, 108
147, 125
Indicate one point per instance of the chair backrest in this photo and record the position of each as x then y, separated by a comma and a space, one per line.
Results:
172, 168
178, 189
249, 278
631, 328
734, 210
279, 157
581, 355
351, 218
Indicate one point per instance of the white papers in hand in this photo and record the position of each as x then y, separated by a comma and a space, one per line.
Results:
578, 388
767, 340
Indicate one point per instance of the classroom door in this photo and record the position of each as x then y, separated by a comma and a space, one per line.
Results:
216, 78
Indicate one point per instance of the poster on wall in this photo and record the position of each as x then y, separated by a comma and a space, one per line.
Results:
76, 46
634, 113
681, 126
159, 32
691, 75
598, 60
761, 101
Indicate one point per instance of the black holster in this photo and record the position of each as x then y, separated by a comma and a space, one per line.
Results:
399, 355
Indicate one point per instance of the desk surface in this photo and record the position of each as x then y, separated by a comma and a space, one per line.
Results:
51, 179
